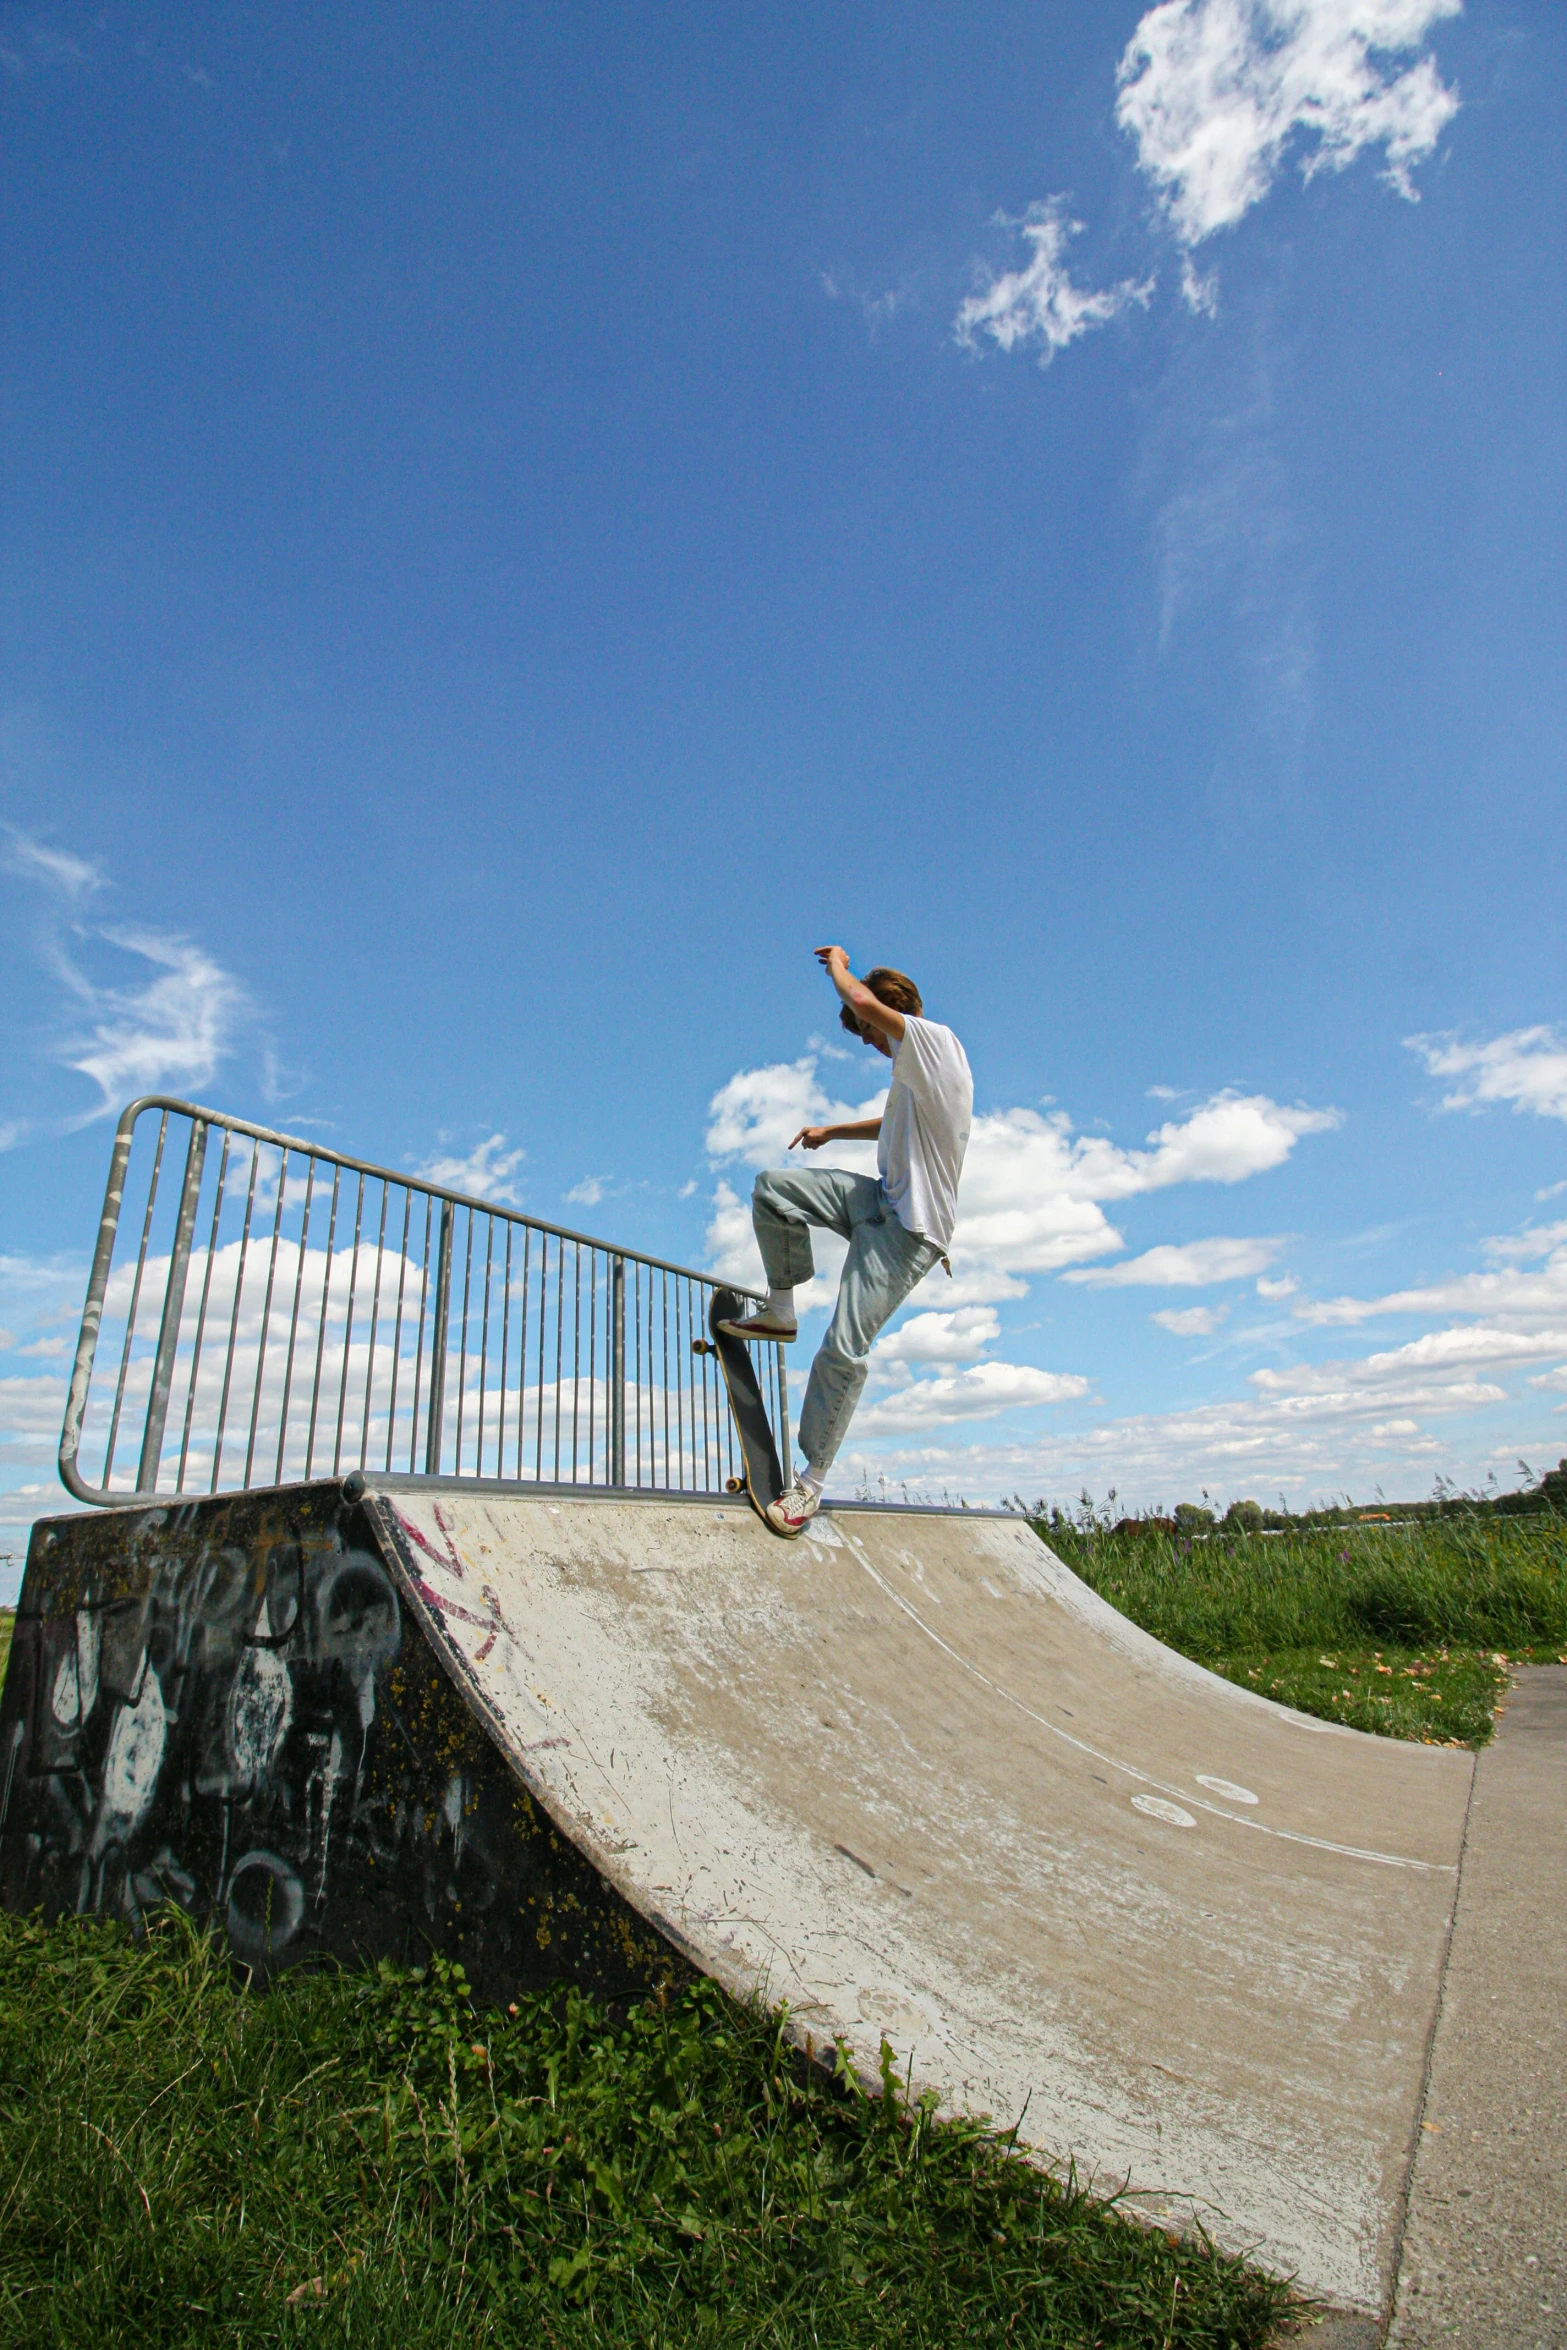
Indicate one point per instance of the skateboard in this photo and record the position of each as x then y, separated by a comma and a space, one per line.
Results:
763, 1479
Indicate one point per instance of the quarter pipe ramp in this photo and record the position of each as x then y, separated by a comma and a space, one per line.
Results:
907, 1775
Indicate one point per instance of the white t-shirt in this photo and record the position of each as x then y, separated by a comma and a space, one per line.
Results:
925, 1129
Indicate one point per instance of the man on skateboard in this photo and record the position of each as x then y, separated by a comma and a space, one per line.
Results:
897, 1222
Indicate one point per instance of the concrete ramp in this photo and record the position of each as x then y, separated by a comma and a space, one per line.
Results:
911, 1776
906, 1774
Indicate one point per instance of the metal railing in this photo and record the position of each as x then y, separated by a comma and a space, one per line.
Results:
278, 1312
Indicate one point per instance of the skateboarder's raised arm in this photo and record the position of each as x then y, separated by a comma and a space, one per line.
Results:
878, 1023
868, 1012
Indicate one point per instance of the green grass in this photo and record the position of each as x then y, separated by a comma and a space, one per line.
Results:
366, 2160
1407, 1632
7, 1627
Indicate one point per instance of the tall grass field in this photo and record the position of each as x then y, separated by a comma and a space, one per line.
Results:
1406, 1629
369, 2160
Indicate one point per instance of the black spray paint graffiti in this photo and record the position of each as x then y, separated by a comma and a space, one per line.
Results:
229, 1707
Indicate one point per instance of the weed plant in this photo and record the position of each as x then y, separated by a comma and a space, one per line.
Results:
1404, 1629
369, 2160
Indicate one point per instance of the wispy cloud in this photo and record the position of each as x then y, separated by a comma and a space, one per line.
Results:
1527, 1300
1214, 93
1038, 305
1527, 1067
35, 860
167, 1034
1190, 1264
587, 1193
486, 1172
166, 1028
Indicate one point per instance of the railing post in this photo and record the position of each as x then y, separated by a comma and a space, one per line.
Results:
173, 1311
443, 1297
617, 1371
783, 1420
92, 1313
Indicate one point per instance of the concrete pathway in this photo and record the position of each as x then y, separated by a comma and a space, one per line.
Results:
1485, 2251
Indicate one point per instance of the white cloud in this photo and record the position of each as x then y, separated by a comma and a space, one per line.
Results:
975, 1394
1230, 1138
1285, 1286
74, 877
486, 1173
975, 1285
587, 1193
1460, 1348
1527, 1067
1508, 1295
940, 1336
1213, 92
1200, 293
1535, 1240
167, 1035
1190, 1321
30, 1409
1039, 304
1031, 1189
1191, 1265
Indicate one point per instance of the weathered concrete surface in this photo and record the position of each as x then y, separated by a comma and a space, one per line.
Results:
1485, 2257
911, 1776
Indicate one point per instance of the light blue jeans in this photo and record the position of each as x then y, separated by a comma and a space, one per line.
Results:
883, 1265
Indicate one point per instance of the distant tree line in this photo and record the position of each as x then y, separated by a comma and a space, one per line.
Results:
1537, 1497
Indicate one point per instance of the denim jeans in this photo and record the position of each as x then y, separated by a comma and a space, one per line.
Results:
883, 1265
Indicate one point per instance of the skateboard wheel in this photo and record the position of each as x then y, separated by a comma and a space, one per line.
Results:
699, 1346
734, 1485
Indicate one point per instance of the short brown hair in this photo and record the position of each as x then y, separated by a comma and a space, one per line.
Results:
895, 989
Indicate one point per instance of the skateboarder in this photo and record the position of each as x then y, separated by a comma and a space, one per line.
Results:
897, 1222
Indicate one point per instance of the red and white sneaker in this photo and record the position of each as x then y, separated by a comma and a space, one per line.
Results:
793, 1511
762, 1325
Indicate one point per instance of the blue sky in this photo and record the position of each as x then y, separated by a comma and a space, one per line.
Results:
520, 524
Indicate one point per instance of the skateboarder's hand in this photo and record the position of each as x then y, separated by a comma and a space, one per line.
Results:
832, 959
812, 1136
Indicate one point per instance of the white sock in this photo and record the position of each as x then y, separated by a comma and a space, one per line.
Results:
813, 1480
780, 1304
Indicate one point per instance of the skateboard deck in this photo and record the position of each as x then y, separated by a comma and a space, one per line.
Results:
763, 1478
